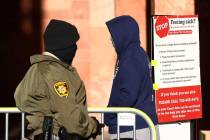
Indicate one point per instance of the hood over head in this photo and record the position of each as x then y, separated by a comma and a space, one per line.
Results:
60, 39
124, 31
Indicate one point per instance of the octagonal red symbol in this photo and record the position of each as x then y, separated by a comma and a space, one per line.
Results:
162, 26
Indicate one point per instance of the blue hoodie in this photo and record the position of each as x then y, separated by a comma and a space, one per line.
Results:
132, 84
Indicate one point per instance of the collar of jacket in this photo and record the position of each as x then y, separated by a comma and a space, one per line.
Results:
45, 57
50, 54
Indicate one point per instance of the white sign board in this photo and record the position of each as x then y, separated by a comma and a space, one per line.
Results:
176, 74
126, 119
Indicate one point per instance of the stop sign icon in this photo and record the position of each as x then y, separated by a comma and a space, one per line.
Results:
162, 26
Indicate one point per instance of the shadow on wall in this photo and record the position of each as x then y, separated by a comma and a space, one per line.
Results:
20, 38
203, 10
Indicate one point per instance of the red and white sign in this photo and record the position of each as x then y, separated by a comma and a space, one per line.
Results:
162, 26
177, 73
178, 103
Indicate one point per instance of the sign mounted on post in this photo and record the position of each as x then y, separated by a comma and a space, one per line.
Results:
177, 68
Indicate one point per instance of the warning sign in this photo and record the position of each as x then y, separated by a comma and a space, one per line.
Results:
177, 69
179, 103
162, 26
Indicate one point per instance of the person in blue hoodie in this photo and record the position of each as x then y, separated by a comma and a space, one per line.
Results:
132, 83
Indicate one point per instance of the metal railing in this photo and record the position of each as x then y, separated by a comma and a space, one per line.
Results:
12, 110
101, 110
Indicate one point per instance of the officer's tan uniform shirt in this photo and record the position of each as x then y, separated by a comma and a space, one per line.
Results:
53, 88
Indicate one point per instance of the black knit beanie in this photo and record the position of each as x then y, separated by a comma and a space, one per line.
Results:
60, 39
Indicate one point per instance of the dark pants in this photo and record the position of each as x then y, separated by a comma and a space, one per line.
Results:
72, 137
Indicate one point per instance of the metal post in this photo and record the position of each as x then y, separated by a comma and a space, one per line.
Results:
101, 110
118, 129
22, 125
6, 126
134, 129
102, 122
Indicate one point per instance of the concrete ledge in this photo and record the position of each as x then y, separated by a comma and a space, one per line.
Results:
205, 135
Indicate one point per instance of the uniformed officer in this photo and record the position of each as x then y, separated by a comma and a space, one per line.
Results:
52, 87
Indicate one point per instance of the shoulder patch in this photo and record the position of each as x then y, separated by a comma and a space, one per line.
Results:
62, 89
